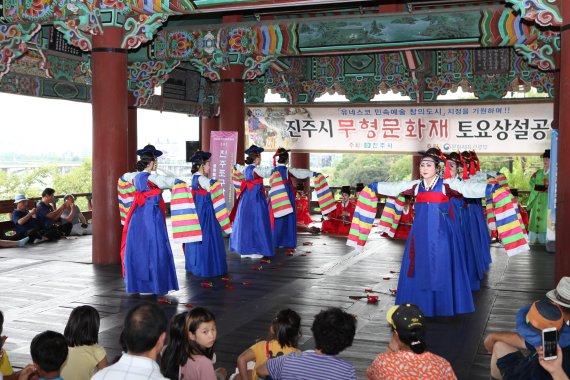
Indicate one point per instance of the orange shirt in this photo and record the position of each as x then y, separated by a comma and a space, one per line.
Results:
406, 365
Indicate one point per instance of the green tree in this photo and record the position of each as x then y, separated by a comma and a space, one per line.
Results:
78, 180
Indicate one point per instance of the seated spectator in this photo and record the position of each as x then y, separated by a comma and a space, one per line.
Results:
407, 357
333, 330
338, 222
6, 370
190, 350
13, 244
561, 297
72, 214
49, 351
86, 356
48, 217
144, 333
507, 360
554, 367
284, 334
25, 222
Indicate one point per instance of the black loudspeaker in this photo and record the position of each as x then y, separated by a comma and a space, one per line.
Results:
191, 148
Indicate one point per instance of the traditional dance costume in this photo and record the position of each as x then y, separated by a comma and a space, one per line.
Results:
206, 258
285, 226
147, 256
251, 217
538, 206
339, 223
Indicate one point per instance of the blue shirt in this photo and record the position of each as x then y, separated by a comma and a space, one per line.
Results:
41, 214
22, 228
309, 365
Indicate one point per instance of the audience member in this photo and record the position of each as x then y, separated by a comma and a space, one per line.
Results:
13, 244
144, 333
190, 349
554, 367
333, 330
407, 356
85, 356
507, 360
49, 351
561, 297
25, 222
48, 217
6, 370
284, 334
72, 214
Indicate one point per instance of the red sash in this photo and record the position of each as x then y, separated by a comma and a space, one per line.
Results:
425, 197
140, 200
250, 185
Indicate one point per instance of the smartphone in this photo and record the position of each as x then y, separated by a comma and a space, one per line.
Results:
549, 342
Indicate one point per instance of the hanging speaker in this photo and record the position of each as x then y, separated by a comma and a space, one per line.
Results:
191, 148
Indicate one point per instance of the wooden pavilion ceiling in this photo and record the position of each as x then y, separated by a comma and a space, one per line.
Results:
297, 48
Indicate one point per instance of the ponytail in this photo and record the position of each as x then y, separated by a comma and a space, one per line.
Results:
415, 339
143, 163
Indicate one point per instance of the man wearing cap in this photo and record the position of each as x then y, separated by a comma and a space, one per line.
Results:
338, 222
508, 362
538, 201
407, 356
25, 221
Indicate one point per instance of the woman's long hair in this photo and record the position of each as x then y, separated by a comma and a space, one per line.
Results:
179, 347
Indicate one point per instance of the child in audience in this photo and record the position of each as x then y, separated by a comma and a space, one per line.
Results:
82, 335
333, 330
283, 336
49, 351
190, 346
6, 370
406, 357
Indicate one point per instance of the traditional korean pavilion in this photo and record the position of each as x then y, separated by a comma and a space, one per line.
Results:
212, 56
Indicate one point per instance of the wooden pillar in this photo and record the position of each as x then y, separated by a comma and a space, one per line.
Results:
232, 115
416, 166
302, 161
207, 125
110, 140
563, 187
132, 143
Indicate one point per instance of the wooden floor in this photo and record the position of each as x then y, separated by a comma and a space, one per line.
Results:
41, 284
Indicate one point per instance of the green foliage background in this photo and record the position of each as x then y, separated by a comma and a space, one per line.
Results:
31, 183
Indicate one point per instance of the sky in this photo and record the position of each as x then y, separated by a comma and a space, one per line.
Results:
31, 116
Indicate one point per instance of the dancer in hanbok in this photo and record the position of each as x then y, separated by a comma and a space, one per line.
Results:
469, 242
538, 201
284, 212
433, 273
206, 258
148, 265
251, 221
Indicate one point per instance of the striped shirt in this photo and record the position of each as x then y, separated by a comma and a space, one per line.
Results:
309, 365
